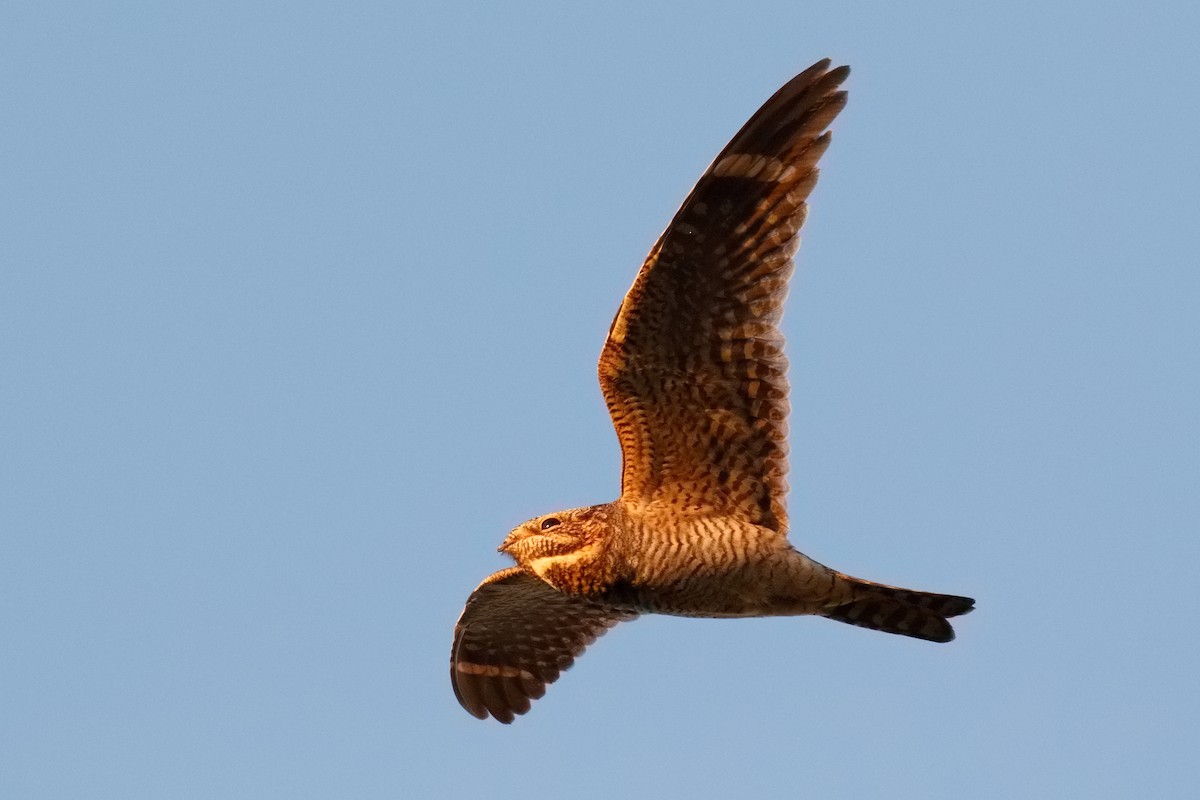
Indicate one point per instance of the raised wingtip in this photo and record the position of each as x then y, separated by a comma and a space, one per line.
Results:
825, 65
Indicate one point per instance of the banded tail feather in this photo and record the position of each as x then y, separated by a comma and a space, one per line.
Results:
922, 615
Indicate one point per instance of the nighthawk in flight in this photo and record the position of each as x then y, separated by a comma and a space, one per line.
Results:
695, 378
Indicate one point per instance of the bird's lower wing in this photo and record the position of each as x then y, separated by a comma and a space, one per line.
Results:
516, 634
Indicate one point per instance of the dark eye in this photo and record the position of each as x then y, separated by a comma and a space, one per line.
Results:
550, 522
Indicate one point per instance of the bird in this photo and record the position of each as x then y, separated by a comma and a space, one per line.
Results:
694, 376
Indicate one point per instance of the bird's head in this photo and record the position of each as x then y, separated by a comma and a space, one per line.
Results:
565, 549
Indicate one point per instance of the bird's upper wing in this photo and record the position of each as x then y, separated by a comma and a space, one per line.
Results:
516, 635
693, 370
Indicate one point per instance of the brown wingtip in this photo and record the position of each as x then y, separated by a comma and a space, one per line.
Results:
484, 691
821, 72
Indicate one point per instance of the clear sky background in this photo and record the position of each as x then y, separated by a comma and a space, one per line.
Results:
299, 313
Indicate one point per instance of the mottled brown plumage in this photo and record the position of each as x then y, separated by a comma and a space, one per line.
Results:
695, 378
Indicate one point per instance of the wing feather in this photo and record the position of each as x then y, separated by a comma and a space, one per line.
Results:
693, 371
515, 636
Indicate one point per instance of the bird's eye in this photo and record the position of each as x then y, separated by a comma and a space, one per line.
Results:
550, 522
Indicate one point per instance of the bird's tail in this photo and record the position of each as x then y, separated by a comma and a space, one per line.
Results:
891, 609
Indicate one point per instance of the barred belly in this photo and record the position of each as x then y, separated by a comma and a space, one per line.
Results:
717, 567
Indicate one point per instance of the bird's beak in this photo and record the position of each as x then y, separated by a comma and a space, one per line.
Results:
510, 540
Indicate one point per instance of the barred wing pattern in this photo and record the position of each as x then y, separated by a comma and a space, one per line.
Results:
516, 634
693, 371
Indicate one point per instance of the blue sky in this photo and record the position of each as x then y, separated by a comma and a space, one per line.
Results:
299, 313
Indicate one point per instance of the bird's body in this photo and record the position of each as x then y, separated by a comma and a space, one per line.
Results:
714, 566
695, 379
